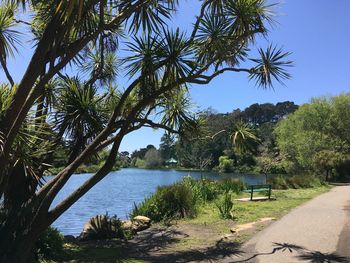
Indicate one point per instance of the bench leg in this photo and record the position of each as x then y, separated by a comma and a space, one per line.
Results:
251, 195
269, 192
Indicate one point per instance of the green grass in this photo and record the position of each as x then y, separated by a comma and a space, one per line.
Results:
286, 200
246, 212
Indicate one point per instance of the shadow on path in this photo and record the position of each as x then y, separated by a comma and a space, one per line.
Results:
304, 254
318, 257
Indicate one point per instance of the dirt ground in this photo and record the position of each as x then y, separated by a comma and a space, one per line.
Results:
184, 242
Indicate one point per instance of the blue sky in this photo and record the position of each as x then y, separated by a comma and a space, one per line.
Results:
317, 32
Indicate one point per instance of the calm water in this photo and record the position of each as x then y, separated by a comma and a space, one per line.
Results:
118, 191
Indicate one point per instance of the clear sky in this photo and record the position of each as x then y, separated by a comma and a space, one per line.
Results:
316, 31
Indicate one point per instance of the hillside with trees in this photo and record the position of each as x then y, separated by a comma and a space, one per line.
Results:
213, 145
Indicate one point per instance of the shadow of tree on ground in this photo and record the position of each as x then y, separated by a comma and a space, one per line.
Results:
151, 245
215, 253
304, 254
318, 257
158, 246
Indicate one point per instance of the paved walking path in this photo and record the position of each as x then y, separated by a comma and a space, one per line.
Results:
318, 231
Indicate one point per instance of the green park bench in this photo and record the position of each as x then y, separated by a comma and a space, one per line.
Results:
258, 188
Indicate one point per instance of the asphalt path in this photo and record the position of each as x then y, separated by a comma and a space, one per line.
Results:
318, 231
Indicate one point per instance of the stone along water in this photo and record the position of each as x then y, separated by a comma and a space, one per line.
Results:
117, 193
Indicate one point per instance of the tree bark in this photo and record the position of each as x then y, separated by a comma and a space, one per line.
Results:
17, 245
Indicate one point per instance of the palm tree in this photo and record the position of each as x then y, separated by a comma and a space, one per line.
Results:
243, 138
9, 37
31, 144
80, 114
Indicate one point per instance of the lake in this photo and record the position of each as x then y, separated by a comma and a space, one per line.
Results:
119, 190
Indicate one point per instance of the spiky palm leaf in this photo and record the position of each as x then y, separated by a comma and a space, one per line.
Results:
247, 16
151, 16
31, 145
80, 112
177, 55
9, 36
244, 138
31, 142
104, 69
6, 95
145, 62
177, 111
216, 42
271, 65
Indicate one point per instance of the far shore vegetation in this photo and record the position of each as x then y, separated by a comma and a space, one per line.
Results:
288, 139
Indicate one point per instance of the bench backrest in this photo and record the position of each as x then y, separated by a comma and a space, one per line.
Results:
259, 186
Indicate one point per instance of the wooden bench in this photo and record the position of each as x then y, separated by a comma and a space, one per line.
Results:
258, 188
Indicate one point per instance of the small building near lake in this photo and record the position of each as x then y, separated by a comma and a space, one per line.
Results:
171, 162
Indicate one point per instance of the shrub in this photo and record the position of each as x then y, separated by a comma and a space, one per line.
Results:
104, 227
278, 182
225, 206
148, 207
152, 159
303, 181
49, 245
226, 165
203, 190
139, 163
168, 202
296, 181
230, 184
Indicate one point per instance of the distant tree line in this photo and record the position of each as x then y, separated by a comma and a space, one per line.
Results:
310, 139
211, 147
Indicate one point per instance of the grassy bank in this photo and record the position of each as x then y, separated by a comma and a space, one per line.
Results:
245, 212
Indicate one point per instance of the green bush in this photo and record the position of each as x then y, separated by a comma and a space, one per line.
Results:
303, 181
105, 226
168, 202
278, 182
225, 206
203, 190
139, 163
230, 184
226, 165
49, 245
148, 207
295, 182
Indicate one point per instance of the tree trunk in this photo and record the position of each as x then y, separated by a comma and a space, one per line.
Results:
19, 247
17, 251
19, 231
